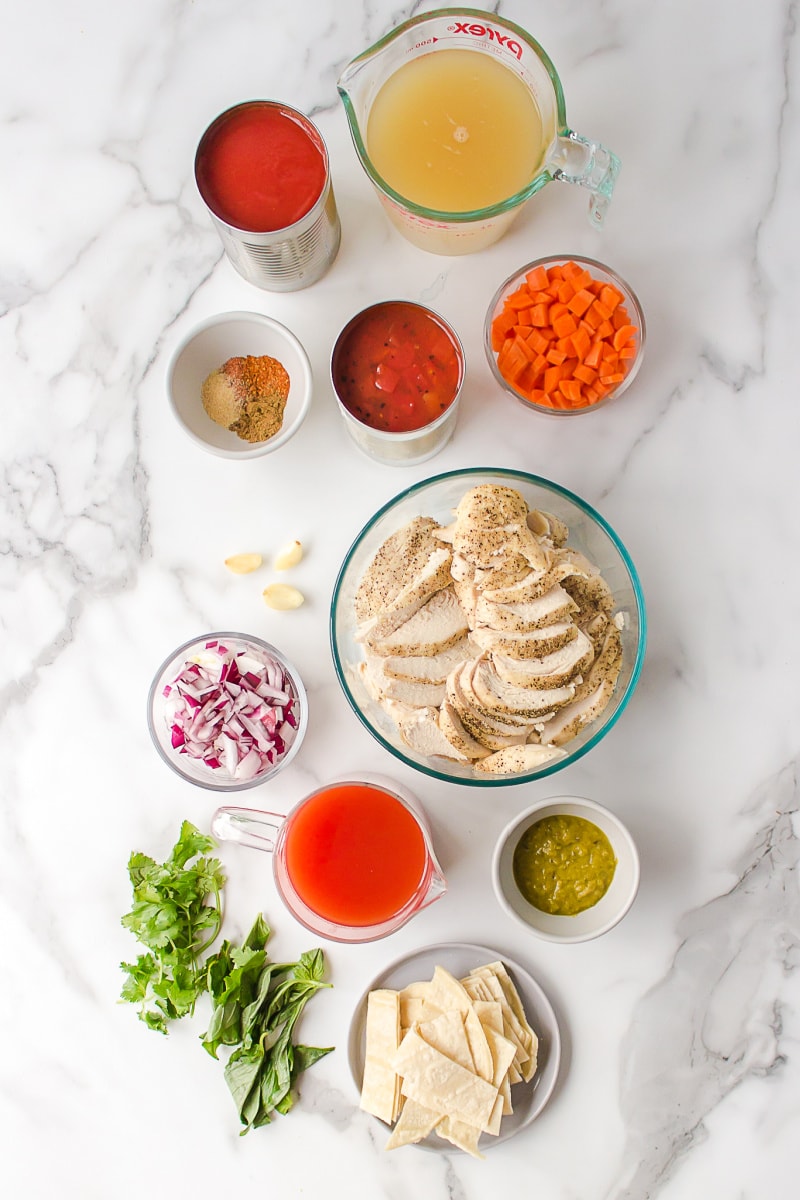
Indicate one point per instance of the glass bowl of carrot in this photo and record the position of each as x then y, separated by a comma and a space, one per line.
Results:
565, 335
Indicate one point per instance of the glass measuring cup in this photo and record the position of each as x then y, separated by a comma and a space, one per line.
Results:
566, 155
352, 862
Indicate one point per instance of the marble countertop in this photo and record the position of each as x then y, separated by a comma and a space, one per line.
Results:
680, 1074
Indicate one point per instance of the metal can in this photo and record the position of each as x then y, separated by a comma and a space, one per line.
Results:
262, 171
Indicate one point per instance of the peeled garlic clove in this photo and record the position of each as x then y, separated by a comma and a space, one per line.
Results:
243, 564
289, 556
282, 597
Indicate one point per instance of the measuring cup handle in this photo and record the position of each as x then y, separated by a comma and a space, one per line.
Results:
247, 826
577, 160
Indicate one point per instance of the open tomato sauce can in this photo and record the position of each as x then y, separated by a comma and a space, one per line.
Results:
262, 171
397, 369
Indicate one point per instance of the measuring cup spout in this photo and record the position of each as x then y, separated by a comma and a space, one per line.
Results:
575, 159
247, 826
437, 885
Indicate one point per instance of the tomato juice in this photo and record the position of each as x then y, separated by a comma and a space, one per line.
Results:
355, 854
397, 367
261, 166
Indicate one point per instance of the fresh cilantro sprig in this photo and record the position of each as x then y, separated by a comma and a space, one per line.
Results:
256, 1005
176, 915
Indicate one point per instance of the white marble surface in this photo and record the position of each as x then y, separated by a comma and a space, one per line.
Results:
681, 1076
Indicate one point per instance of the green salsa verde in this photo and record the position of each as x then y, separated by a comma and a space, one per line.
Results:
563, 865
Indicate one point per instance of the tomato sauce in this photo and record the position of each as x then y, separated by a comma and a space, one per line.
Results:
259, 168
396, 367
354, 854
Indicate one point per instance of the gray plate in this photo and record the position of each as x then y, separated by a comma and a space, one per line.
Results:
459, 958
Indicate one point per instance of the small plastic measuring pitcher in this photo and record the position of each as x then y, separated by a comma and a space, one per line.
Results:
352, 862
566, 156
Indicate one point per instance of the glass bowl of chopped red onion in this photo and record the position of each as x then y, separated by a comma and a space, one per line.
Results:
227, 711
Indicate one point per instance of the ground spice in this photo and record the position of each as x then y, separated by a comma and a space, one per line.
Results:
248, 396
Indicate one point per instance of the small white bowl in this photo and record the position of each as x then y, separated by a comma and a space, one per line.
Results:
592, 922
207, 347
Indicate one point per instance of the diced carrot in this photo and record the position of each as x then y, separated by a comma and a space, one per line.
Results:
580, 302
571, 388
610, 380
623, 335
537, 279
540, 315
581, 342
501, 326
552, 378
628, 352
519, 299
605, 329
565, 292
610, 297
564, 325
584, 374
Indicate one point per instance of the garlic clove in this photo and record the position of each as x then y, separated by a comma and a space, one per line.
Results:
289, 556
282, 597
243, 564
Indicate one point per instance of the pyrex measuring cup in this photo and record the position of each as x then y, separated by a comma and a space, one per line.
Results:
352, 862
565, 155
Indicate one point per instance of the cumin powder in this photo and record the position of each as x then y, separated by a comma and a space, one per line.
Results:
248, 396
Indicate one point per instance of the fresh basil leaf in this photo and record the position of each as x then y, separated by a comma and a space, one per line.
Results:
306, 1056
258, 936
242, 1075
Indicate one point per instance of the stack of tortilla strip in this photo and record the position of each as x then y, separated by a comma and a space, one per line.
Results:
442, 1055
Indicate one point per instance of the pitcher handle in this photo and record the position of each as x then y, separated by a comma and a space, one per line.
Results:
247, 826
577, 160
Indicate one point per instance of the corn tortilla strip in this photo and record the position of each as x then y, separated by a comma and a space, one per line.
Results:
415, 1123
411, 1011
435, 1081
503, 1052
465, 1137
446, 1033
417, 991
447, 992
479, 1046
380, 1087
490, 1014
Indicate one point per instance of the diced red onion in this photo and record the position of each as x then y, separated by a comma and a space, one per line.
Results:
234, 710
